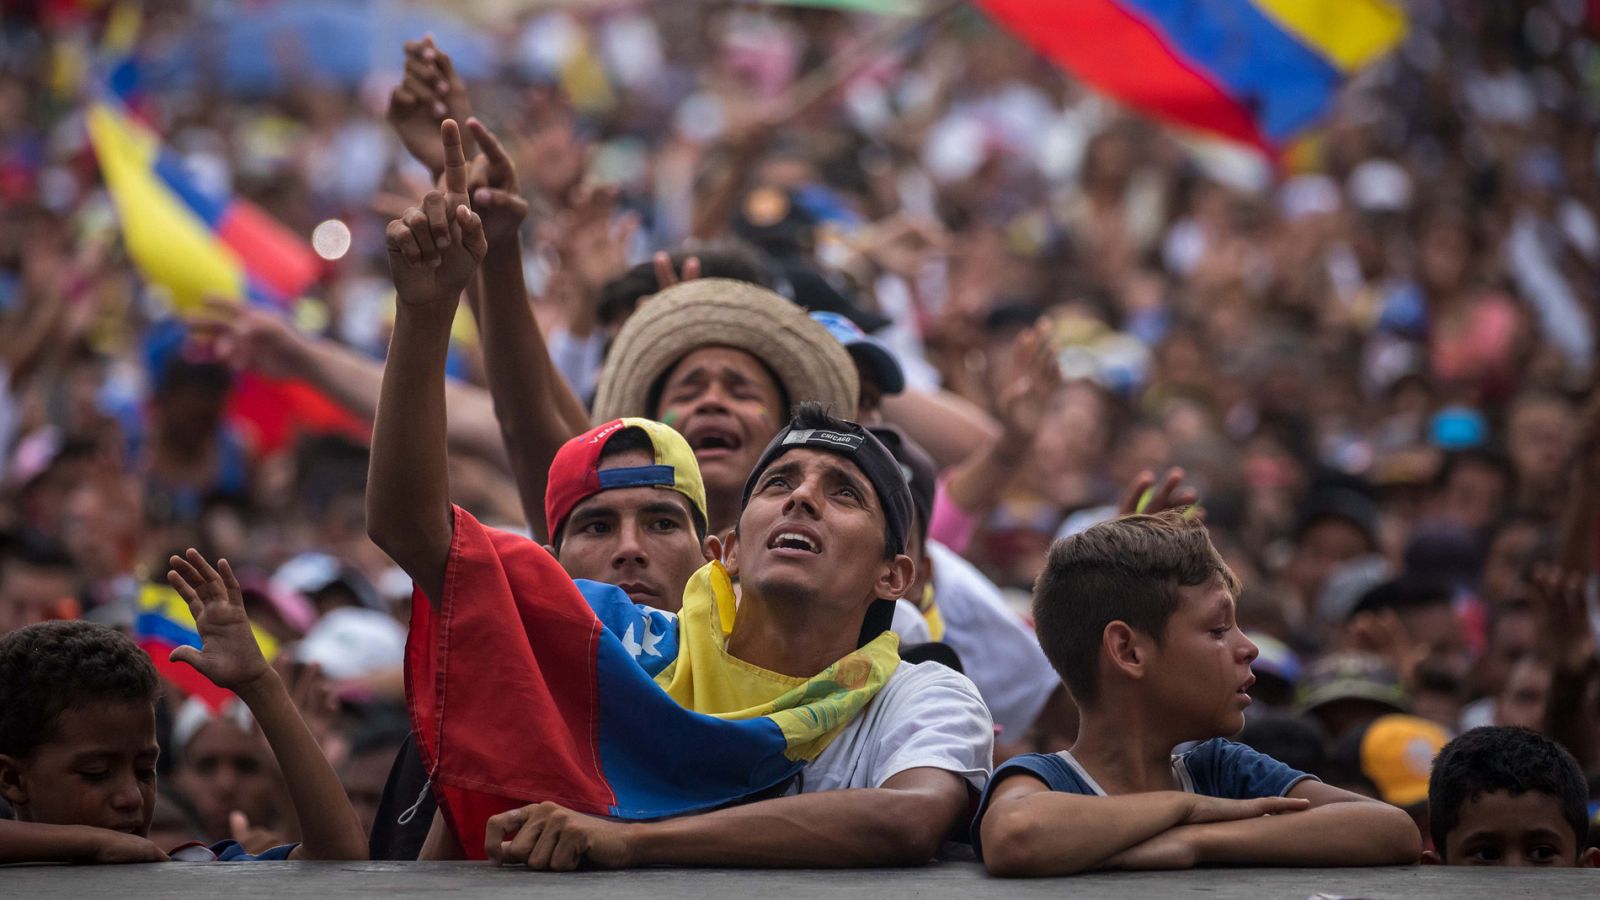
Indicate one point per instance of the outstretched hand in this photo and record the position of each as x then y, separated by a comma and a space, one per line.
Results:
1032, 381
430, 92
248, 338
435, 249
1561, 602
229, 654
1144, 497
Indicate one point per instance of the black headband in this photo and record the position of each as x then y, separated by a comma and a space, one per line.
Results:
856, 444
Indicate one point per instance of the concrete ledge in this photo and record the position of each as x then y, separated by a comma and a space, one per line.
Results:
240, 881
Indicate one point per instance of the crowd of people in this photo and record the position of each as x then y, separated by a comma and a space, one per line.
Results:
1030, 439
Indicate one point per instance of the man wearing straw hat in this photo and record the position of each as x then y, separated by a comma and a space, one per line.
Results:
723, 362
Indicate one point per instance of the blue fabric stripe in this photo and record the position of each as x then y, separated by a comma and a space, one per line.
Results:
637, 476
622, 617
663, 760
208, 207
154, 625
1283, 83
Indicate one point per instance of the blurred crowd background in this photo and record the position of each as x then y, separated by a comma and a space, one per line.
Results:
1371, 356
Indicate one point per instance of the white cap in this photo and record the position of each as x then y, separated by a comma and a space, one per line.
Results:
351, 642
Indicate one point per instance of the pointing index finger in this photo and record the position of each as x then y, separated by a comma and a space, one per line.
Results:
455, 161
488, 143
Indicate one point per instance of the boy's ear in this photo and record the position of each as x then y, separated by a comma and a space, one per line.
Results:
1432, 858
1589, 858
12, 781
730, 552
896, 578
711, 548
1124, 649
550, 549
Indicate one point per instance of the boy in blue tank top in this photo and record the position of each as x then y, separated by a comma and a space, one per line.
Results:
1137, 616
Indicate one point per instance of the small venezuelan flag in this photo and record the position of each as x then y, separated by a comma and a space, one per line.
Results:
164, 624
1257, 71
190, 240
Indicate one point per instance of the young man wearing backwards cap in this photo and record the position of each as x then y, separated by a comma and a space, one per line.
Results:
818, 549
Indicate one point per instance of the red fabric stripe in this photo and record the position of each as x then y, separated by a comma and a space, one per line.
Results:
272, 254
1118, 53
272, 413
186, 678
528, 734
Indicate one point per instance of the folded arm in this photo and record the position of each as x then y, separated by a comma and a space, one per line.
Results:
1341, 829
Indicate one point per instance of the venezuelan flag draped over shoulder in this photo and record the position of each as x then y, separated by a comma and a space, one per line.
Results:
1257, 71
192, 241
526, 686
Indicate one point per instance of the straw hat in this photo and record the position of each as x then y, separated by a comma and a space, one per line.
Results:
717, 312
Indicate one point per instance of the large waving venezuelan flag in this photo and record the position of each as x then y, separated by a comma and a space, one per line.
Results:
526, 687
192, 241
1257, 71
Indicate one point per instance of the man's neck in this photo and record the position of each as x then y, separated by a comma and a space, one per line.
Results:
798, 640
1125, 750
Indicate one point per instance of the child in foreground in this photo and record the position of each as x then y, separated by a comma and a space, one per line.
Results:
1502, 796
1137, 616
78, 735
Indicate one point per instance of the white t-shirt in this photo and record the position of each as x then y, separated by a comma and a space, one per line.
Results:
999, 652
926, 716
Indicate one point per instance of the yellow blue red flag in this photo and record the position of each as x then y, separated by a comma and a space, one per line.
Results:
192, 241
1257, 71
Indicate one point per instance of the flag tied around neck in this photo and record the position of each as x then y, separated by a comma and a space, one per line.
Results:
526, 686
1256, 71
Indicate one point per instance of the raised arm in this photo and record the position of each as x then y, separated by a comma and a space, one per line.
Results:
1030, 830
433, 251
976, 484
254, 339
899, 824
535, 409
230, 657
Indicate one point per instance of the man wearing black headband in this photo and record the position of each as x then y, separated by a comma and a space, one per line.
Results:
819, 551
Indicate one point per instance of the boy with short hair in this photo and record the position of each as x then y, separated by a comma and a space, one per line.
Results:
78, 736
1137, 616
1505, 796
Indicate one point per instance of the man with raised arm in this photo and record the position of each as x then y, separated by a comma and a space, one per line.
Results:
877, 760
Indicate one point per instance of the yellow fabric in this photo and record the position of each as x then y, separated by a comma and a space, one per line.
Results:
169, 243
809, 711
1348, 33
930, 614
165, 602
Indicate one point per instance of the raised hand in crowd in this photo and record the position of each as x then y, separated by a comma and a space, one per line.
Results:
556, 156
230, 657
496, 192
430, 92
1144, 496
593, 245
1026, 390
435, 248
1567, 644
666, 277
